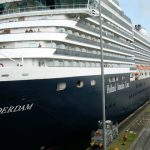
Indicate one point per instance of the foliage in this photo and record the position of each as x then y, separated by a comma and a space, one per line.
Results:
119, 142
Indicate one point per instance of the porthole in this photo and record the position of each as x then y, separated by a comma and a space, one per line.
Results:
61, 86
93, 82
79, 84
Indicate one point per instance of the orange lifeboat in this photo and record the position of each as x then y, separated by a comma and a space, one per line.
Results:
137, 74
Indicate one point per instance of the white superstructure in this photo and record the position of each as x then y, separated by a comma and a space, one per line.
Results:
64, 38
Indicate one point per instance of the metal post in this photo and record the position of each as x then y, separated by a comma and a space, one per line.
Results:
88, 3
102, 79
22, 61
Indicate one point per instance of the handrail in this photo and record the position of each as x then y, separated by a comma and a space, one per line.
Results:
20, 64
116, 39
118, 30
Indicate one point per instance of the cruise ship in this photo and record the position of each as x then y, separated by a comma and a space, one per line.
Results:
50, 70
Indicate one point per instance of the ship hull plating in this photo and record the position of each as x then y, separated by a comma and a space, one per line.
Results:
34, 114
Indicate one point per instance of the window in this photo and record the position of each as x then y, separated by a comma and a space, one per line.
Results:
41, 63
69, 31
94, 52
56, 62
6, 31
61, 86
93, 82
97, 64
78, 64
93, 64
21, 19
110, 79
77, 48
116, 78
87, 64
79, 84
62, 46
25, 74
82, 64
61, 63
61, 30
123, 77
66, 63
5, 75
76, 33
75, 64
50, 63
53, 45
84, 50
83, 35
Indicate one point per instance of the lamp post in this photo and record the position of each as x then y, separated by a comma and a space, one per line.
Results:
102, 78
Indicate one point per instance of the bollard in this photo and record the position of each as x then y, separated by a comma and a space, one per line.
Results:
116, 148
125, 137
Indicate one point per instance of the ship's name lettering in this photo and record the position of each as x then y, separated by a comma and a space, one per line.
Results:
18, 108
112, 88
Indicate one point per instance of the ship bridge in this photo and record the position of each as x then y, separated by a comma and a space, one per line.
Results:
13, 6
46, 2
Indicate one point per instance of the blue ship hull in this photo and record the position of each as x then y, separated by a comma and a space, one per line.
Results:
34, 114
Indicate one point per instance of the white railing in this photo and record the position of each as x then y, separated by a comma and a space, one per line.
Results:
13, 60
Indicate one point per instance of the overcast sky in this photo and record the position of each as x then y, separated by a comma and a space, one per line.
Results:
138, 11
